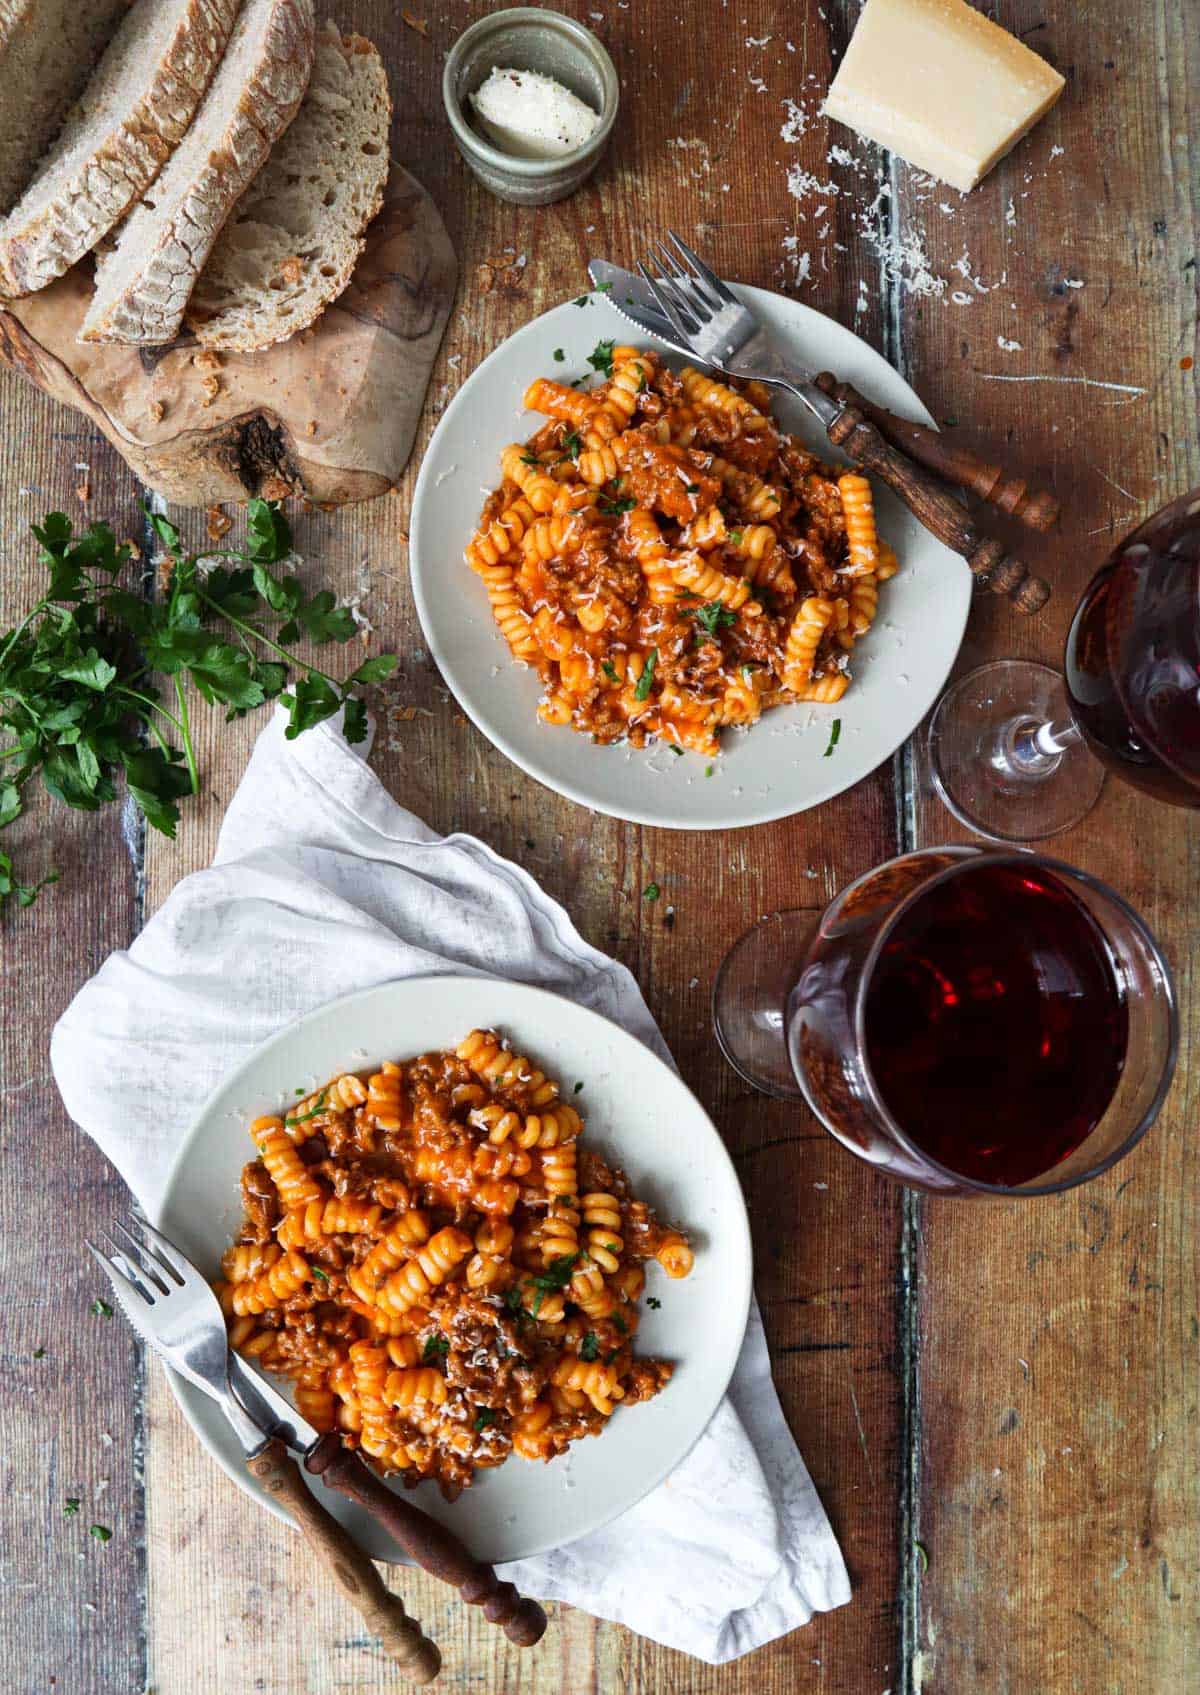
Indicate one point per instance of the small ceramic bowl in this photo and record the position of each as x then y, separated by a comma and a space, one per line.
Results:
527, 38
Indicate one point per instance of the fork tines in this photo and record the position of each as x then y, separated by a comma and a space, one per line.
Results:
687, 290
150, 1269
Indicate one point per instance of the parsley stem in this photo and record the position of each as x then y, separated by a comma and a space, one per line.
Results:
185, 730
261, 635
146, 700
21, 627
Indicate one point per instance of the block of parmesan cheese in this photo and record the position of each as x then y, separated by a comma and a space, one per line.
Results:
940, 84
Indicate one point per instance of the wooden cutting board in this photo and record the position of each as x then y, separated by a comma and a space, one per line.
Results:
330, 415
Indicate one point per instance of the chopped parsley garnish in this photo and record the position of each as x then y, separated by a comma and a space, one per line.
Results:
614, 508
735, 537
323, 1275
70, 1506
691, 488
558, 1273
589, 1348
317, 1108
677, 751
484, 1417
531, 459
299, 1092
712, 618
582, 300
835, 731
647, 676
643, 385
100, 1309
620, 1324
709, 769
651, 891
578, 1088
436, 1348
39, 1353
610, 670
611, 1355
604, 288
101, 1532
571, 444
653, 1301
559, 355
600, 358
512, 1300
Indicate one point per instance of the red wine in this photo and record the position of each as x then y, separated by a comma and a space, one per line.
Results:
995, 1027
1133, 658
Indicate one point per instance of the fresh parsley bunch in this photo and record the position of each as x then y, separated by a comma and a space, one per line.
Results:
76, 690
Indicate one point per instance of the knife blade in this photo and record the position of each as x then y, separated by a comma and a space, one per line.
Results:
633, 300
632, 297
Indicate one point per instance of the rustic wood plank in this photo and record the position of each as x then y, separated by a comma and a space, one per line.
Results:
827, 1291
1057, 1489
71, 1608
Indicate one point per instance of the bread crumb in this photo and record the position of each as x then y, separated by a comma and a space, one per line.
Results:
155, 411
310, 429
275, 489
292, 269
417, 24
402, 537
485, 277
210, 388
207, 360
219, 523
83, 488
402, 714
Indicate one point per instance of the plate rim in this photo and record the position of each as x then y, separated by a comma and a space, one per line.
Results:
188, 1397
565, 786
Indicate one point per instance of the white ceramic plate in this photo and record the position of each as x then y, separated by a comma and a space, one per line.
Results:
778, 766
637, 1112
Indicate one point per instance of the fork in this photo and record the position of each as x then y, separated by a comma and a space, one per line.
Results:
719, 331
168, 1302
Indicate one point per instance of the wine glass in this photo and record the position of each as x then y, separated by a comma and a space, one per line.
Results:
969, 1021
1019, 753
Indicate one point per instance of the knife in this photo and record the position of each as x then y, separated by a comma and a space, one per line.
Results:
434, 1548
265, 1445
177, 1312
632, 297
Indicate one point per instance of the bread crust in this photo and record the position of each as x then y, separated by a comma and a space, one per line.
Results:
142, 288
297, 287
76, 199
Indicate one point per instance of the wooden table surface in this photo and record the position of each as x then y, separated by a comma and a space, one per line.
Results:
997, 1403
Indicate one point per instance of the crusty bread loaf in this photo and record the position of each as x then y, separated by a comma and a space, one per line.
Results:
47, 51
116, 139
142, 287
294, 237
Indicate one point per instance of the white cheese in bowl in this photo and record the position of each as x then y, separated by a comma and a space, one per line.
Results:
531, 116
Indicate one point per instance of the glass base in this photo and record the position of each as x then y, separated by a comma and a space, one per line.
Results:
971, 738
750, 994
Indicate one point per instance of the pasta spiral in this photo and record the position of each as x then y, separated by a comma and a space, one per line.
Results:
287, 1170
433, 1263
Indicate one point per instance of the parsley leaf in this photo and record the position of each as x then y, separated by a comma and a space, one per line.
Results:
559, 355
578, 1089
318, 1273
483, 1417
653, 1301
835, 731
647, 676
610, 670
101, 1532
71, 1506
572, 446
436, 1348
314, 1111
589, 1348
601, 357
651, 892
39, 1353
77, 696
100, 1309
712, 618
614, 508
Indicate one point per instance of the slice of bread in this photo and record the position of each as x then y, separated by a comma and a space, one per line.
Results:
47, 51
143, 285
116, 139
292, 242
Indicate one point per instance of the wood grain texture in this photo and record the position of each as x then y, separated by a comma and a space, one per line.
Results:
918, 1346
1056, 1489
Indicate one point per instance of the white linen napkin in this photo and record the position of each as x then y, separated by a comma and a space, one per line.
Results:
322, 885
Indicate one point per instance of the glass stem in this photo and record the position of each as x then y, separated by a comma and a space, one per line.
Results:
1034, 748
